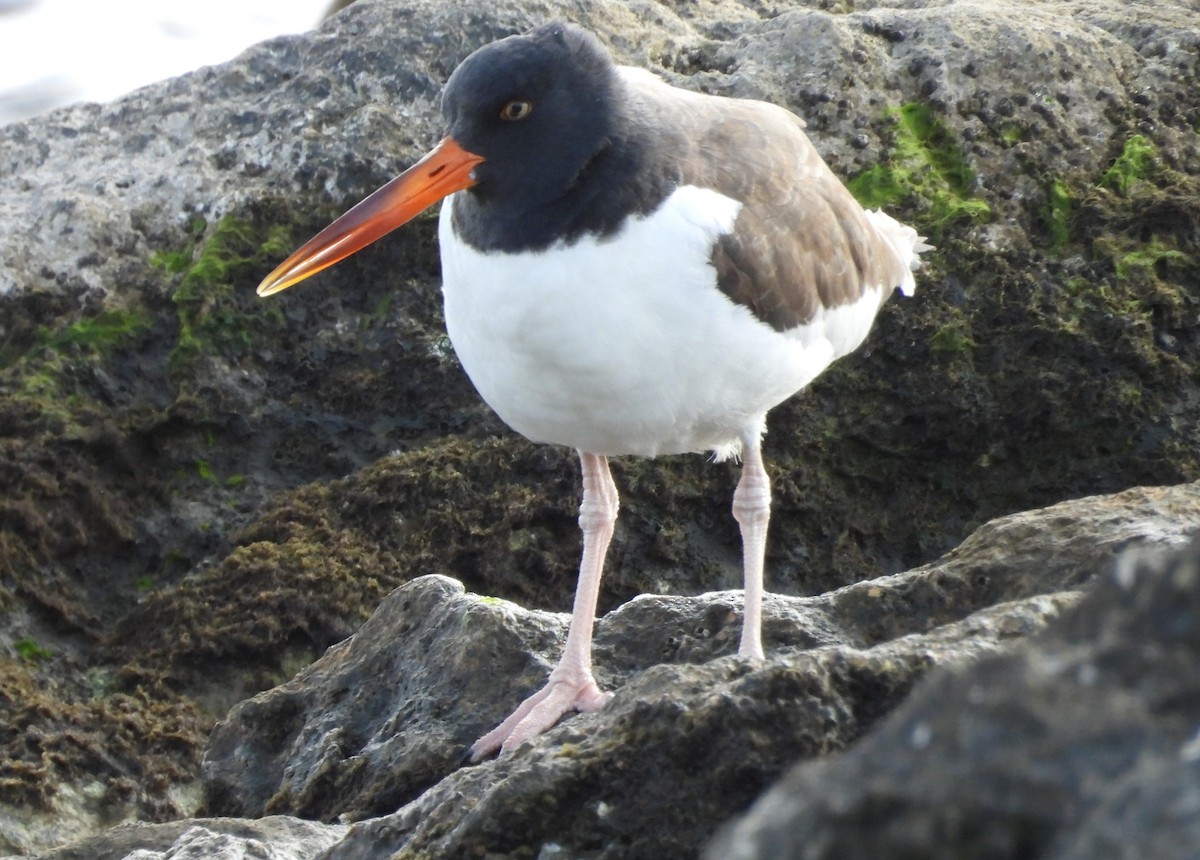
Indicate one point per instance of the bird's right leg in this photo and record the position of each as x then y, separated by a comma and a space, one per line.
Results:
752, 510
571, 686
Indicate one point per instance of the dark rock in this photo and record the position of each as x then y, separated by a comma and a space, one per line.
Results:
384, 719
1080, 744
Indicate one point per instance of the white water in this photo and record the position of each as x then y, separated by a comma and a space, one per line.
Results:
55, 52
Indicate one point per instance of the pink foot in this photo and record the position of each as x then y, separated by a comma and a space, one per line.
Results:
543, 709
570, 686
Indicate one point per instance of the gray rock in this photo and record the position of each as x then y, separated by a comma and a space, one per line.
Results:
383, 720
1080, 744
273, 838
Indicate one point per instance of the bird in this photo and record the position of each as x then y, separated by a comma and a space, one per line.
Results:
630, 268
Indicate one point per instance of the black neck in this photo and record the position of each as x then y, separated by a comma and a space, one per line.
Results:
628, 175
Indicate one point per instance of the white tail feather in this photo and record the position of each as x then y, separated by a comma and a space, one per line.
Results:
904, 241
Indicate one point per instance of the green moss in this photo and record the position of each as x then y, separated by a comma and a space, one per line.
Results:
1154, 256
1135, 165
1149, 238
216, 271
28, 649
1011, 134
951, 338
926, 162
204, 470
101, 332
48, 375
1055, 213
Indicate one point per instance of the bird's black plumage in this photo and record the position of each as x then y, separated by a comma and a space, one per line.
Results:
579, 164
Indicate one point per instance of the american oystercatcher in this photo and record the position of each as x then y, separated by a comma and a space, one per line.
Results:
630, 268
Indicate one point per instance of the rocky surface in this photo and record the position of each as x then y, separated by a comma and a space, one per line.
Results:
272, 838
204, 491
688, 739
1082, 744
1000, 755
339, 740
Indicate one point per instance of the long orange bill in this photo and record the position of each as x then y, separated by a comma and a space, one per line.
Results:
446, 169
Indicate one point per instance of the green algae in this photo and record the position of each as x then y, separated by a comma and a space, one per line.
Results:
215, 271
926, 163
29, 650
1055, 214
1127, 236
326, 553
207, 473
1148, 240
1136, 164
952, 337
180, 260
1151, 258
104, 331
90, 337
1011, 134
213, 274
50, 378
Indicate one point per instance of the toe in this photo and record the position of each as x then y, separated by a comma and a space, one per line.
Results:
540, 712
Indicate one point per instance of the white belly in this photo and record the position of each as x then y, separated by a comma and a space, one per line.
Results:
627, 346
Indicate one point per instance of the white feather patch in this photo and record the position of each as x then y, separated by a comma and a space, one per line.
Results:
626, 345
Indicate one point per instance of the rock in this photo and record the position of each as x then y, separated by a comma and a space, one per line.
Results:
383, 720
1080, 744
276, 837
205, 491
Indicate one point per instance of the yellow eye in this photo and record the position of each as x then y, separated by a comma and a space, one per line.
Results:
515, 110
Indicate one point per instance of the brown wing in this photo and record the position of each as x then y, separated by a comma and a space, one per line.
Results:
801, 240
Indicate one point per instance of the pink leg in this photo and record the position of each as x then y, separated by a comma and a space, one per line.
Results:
752, 510
570, 686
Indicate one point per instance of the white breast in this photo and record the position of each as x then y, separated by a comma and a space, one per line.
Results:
626, 345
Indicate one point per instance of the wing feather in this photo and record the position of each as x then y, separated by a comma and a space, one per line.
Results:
801, 240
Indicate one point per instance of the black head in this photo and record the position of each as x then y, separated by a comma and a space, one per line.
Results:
546, 142
536, 106
541, 108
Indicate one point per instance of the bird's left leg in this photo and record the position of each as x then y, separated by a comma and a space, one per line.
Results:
752, 510
570, 686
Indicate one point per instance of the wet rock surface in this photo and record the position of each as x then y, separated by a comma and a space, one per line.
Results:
204, 491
